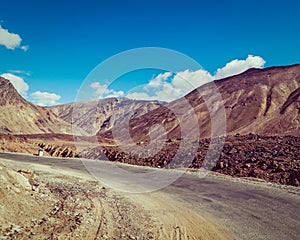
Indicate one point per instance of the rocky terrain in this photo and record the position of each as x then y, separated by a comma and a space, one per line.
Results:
273, 159
11, 143
34, 206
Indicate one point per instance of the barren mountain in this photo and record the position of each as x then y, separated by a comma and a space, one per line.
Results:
263, 101
94, 116
260, 101
19, 116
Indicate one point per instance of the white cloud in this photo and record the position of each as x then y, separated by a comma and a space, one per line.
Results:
188, 80
157, 82
102, 91
44, 98
20, 85
167, 93
165, 88
25, 48
11, 40
140, 95
168, 87
238, 66
27, 73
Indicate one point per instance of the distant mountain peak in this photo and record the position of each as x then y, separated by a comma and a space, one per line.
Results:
8, 93
19, 116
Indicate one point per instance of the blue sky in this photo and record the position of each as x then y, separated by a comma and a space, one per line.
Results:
61, 41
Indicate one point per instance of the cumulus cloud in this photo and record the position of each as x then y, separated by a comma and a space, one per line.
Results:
44, 98
168, 86
102, 91
157, 82
11, 40
167, 93
18, 82
188, 80
238, 66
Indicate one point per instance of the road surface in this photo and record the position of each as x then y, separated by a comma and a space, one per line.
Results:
250, 210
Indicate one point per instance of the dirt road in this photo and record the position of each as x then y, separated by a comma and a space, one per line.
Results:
70, 204
249, 210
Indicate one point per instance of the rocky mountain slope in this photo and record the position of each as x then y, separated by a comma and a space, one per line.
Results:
19, 116
259, 101
263, 101
95, 116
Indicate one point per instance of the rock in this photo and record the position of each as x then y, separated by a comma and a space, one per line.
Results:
233, 150
21, 180
221, 164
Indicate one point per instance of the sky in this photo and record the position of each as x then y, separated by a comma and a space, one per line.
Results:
49, 48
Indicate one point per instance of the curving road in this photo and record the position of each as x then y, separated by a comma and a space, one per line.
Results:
250, 210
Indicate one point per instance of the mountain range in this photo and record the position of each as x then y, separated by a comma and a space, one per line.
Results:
263, 101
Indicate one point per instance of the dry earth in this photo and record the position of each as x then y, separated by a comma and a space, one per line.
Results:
43, 202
